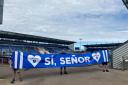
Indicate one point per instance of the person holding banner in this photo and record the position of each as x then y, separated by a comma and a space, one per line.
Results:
106, 60
105, 66
15, 71
63, 68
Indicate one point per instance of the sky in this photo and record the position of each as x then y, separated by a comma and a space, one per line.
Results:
89, 20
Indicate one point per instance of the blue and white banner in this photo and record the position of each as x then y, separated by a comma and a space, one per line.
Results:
22, 60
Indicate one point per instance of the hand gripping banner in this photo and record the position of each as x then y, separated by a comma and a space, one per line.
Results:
22, 60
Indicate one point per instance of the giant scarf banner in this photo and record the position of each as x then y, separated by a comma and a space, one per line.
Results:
22, 60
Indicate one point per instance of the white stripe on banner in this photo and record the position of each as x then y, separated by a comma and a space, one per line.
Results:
16, 59
106, 52
21, 60
104, 56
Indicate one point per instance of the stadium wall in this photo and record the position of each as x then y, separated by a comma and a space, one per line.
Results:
118, 55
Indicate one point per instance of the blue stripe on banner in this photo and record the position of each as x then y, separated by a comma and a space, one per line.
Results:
18, 60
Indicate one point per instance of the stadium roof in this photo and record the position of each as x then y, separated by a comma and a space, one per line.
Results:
20, 43
121, 44
19, 36
103, 45
125, 3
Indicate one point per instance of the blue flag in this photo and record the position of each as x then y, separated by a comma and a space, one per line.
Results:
28, 60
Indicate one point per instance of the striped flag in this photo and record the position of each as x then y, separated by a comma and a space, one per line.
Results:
17, 60
22, 60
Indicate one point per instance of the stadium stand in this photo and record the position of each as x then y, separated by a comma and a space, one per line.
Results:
11, 41
95, 47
